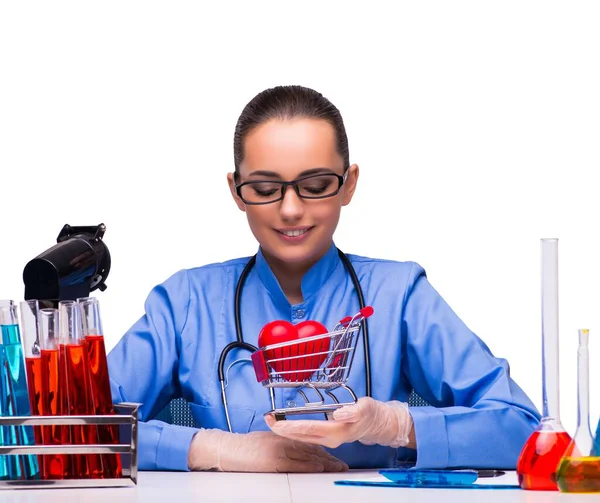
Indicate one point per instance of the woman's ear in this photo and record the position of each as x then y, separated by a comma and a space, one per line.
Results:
236, 198
350, 184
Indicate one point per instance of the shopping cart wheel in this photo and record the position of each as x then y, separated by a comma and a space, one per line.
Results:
279, 416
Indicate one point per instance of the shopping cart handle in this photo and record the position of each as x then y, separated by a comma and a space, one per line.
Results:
366, 311
346, 320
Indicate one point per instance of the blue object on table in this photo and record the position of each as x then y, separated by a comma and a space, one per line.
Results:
428, 479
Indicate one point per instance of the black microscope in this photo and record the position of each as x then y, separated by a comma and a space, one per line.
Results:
76, 265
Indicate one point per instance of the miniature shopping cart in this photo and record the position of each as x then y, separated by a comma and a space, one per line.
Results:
319, 365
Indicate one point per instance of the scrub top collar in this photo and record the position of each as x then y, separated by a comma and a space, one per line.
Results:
312, 282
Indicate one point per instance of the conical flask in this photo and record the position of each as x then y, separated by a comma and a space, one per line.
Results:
579, 469
539, 458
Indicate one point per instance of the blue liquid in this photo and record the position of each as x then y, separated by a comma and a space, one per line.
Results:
15, 399
597, 441
3, 459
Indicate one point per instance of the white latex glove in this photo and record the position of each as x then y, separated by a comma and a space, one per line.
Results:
368, 421
258, 451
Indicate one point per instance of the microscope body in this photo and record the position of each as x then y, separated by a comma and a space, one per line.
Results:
76, 265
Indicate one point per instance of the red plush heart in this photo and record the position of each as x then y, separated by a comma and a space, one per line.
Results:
283, 331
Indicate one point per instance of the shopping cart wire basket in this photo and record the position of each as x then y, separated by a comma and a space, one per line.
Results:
320, 363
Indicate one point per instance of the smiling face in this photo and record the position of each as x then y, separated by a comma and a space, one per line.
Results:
293, 231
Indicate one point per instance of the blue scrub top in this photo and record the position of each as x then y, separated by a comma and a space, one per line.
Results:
479, 417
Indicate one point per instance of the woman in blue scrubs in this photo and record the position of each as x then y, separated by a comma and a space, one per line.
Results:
479, 417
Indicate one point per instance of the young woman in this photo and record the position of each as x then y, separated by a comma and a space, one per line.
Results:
292, 177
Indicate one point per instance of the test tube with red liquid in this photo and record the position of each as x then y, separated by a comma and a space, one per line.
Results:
53, 395
99, 380
78, 388
33, 365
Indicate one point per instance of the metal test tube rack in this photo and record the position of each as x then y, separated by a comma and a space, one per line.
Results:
126, 418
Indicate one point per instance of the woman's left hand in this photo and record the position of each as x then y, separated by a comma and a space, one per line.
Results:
368, 421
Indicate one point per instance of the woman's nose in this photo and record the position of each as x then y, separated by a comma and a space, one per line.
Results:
292, 206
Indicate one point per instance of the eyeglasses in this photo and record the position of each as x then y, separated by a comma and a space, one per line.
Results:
317, 186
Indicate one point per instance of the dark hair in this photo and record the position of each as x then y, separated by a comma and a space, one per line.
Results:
288, 102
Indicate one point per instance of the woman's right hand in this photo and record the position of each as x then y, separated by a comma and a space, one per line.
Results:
258, 451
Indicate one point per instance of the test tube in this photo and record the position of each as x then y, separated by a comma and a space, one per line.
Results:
54, 396
33, 363
78, 387
15, 395
99, 379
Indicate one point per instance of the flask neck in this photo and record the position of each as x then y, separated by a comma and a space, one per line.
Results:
583, 382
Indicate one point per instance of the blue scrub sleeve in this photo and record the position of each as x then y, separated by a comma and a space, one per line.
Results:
143, 369
479, 415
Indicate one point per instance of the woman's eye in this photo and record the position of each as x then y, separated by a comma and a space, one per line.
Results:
316, 188
264, 190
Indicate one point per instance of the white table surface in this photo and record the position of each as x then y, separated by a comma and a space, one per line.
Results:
176, 487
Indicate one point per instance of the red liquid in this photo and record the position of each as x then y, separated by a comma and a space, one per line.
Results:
88, 465
102, 400
539, 459
34, 387
55, 466
579, 475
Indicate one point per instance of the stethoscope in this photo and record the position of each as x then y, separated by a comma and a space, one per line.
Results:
240, 344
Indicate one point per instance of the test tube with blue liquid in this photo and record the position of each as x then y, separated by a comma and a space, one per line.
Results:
15, 395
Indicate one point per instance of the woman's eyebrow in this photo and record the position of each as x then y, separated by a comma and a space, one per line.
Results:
273, 174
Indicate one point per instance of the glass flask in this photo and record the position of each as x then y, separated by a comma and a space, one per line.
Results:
539, 458
579, 469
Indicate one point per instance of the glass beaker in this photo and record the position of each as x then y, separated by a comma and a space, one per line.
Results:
579, 469
539, 458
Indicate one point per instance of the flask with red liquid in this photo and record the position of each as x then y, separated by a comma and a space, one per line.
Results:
78, 388
101, 396
541, 454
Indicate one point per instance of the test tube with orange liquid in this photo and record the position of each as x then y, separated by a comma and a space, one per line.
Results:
53, 395
100, 394
73, 351
33, 365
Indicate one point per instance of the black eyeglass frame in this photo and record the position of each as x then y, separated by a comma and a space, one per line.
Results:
284, 185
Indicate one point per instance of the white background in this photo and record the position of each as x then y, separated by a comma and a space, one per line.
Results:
476, 126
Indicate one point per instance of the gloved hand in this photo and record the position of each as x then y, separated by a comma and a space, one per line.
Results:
258, 451
368, 421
